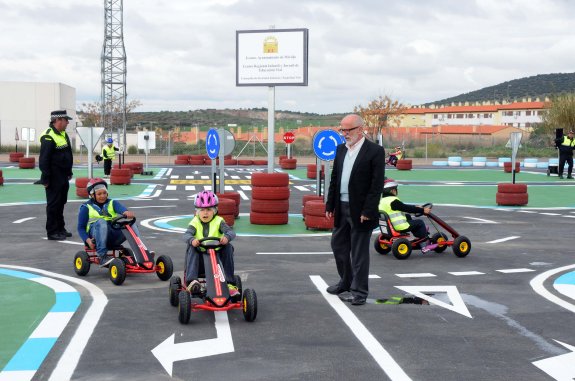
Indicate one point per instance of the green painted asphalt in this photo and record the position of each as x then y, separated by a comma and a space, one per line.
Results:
17, 173
455, 175
24, 305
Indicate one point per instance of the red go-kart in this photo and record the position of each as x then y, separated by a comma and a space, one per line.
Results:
402, 244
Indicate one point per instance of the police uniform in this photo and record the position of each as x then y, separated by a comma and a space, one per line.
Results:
566, 146
55, 162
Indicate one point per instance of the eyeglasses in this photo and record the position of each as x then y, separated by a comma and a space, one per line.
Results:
347, 130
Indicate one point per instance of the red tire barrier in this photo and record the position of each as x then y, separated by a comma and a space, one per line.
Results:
260, 162
1, 180
82, 193
270, 179
230, 162
196, 162
196, 157
281, 158
512, 199
0, 173
81, 182
309, 197
227, 206
404, 165
315, 208
271, 206
320, 223
288, 164
182, 162
121, 172
15, 156
270, 193
268, 218
208, 161
230, 195
183, 157
27, 162
136, 167
245, 162
507, 167
229, 218
511, 188
120, 180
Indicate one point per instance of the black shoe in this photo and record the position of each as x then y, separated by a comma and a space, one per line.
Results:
358, 301
570, 177
560, 176
56, 237
336, 289
66, 233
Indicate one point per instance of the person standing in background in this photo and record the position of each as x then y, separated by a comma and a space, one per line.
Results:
108, 154
566, 144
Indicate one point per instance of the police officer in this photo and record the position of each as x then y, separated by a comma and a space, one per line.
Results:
108, 153
566, 144
56, 165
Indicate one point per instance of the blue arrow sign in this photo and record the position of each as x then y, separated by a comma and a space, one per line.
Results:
213, 143
325, 143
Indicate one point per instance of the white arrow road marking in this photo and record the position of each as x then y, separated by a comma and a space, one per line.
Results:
537, 285
504, 239
375, 349
23, 220
168, 352
481, 220
457, 304
562, 367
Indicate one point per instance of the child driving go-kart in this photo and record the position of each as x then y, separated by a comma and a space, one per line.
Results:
398, 213
206, 223
394, 156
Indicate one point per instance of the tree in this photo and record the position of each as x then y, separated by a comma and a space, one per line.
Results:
92, 111
380, 113
560, 114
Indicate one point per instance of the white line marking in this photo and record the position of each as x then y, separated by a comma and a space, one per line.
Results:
416, 275
169, 199
296, 253
512, 271
246, 187
157, 193
504, 239
301, 188
243, 195
190, 177
526, 211
562, 367
551, 214
537, 285
67, 242
169, 172
207, 187
175, 177
171, 187
52, 325
457, 304
463, 273
23, 220
190, 187
152, 206
375, 349
482, 220
205, 177
569, 216
228, 188
235, 177
374, 276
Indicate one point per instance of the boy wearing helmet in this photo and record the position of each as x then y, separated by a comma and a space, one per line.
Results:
108, 154
402, 222
206, 223
94, 220
395, 156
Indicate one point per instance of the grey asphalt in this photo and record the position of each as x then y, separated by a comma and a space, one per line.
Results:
297, 335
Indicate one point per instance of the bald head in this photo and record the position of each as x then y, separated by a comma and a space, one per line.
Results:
352, 120
351, 128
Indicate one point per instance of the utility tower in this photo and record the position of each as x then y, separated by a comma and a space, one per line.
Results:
113, 67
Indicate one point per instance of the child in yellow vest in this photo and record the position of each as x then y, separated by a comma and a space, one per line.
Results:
206, 223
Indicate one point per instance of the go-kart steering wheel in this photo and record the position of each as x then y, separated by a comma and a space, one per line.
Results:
210, 243
428, 205
120, 221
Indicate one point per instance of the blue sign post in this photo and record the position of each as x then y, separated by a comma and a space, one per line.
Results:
324, 146
213, 149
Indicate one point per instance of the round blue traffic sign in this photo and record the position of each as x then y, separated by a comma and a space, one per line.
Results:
213, 143
325, 143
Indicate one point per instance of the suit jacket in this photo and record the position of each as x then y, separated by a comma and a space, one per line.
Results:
365, 185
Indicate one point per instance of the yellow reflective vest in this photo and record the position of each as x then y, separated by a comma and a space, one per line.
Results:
94, 215
59, 139
568, 142
109, 153
397, 218
214, 230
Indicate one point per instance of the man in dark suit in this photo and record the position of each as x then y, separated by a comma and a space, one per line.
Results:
354, 193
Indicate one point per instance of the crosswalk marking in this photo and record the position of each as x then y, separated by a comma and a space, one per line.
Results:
246, 187
416, 275
243, 195
235, 177
190, 177
301, 188
190, 187
205, 177
464, 273
229, 188
174, 177
171, 187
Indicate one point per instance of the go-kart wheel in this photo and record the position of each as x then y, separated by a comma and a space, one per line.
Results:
461, 246
117, 271
81, 263
164, 267
250, 304
401, 248
238, 282
185, 307
438, 238
381, 248
175, 283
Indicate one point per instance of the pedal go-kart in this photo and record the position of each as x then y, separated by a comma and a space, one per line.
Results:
138, 259
214, 293
402, 244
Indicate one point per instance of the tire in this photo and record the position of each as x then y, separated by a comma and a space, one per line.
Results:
511, 199
401, 248
81, 263
120, 180
181, 162
196, 162
379, 247
250, 304
196, 157
27, 160
184, 306
511, 188
245, 162
183, 157
121, 172
165, 267
315, 208
260, 162
309, 197
0, 173
15, 156
317, 222
288, 164
229, 218
461, 246
26, 165
271, 206
117, 271
238, 282
403, 167
82, 193
269, 218
1, 180
81, 182
270, 180
437, 238
173, 290
270, 193
230, 195
230, 162
226, 206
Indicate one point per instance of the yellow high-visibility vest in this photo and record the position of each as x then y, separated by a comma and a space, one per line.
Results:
397, 218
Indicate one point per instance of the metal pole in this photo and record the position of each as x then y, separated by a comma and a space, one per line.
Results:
317, 176
146, 152
222, 135
326, 180
89, 153
425, 147
271, 127
28, 144
289, 151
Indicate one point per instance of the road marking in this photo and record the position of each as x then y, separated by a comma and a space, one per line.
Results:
482, 220
562, 367
157, 193
235, 177
171, 187
457, 304
168, 352
175, 177
67, 242
246, 187
169, 172
512, 271
463, 273
23, 220
152, 206
189, 177
228, 188
296, 253
415, 275
169, 199
301, 188
565, 284
569, 216
374, 276
375, 349
243, 195
550, 214
537, 285
526, 211
207, 187
205, 177
504, 239
190, 187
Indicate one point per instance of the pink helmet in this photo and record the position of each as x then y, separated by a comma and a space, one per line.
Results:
206, 199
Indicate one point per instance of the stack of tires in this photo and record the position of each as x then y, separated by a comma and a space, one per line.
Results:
288, 164
235, 196
227, 209
15, 156
196, 160
512, 194
404, 165
1, 178
230, 161
315, 218
306, 198
182, 160
136, 167
120, 176
260, 162
312, 171
81, 183
124, 166
27, 162
270, 199
507, 167
245, 162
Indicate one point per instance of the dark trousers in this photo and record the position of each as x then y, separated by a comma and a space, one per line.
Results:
196, 259
417, 227
107, 166
565, 158
56, 198
351, 251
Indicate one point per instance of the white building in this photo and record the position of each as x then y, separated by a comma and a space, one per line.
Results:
28, 105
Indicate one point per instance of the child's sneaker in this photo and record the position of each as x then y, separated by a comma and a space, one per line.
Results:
194, 287
233, 290
428, 248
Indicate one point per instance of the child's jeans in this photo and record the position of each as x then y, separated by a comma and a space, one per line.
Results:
195, 258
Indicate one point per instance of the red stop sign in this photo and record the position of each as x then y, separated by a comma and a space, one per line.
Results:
289, 137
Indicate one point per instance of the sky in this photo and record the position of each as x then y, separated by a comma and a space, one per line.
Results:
181, 53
